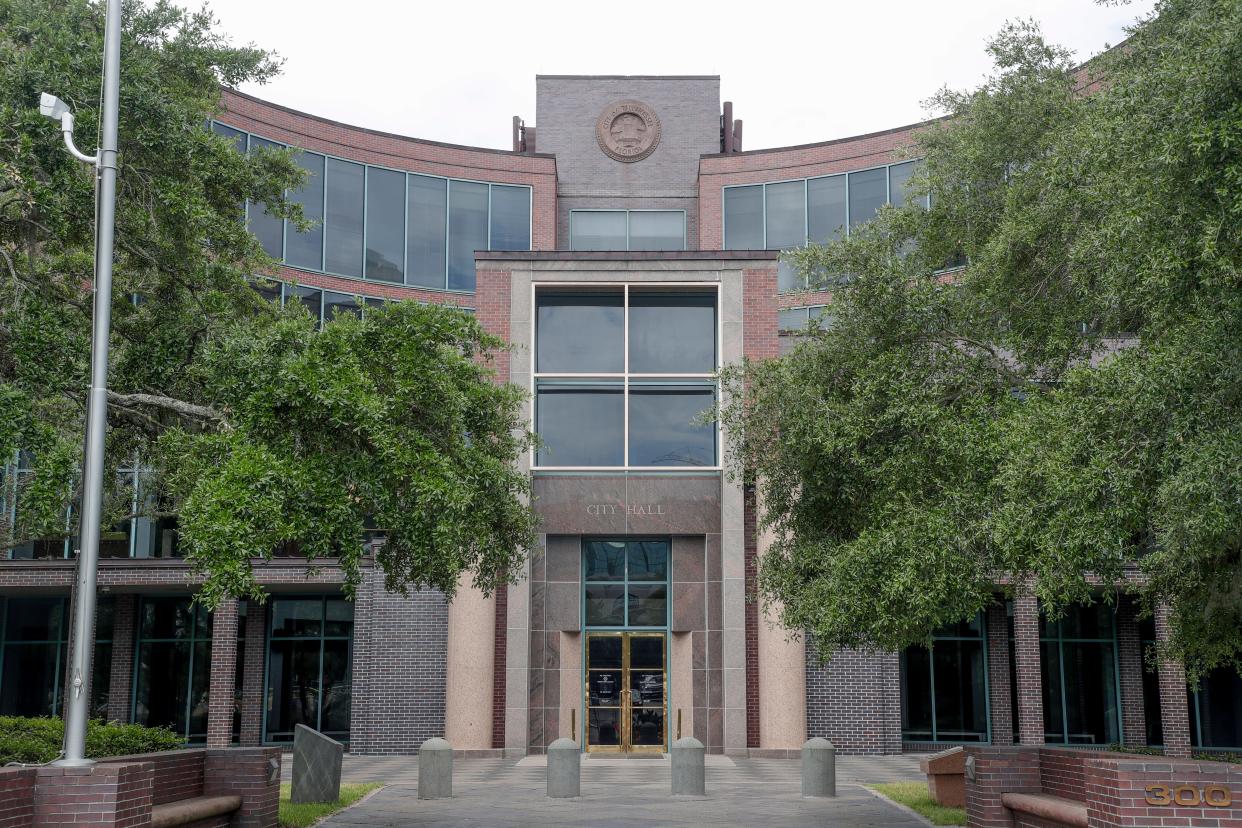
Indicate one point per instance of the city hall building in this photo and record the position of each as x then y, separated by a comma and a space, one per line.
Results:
629, 247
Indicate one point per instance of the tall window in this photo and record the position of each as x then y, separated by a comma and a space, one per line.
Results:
1216, 711
173, 666
944, 689
784, 215
625, 583
1078, 662
388, 225
309, 666
627, 230
624, 377
34, 653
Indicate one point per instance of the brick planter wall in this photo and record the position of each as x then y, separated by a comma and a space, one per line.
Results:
1114, 786
120, 792
17, 797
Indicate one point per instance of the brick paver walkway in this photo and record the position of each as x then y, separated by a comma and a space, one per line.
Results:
619, 793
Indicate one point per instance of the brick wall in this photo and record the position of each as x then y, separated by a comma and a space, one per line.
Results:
248, 773
97, 796
17, 797
122, 673
1027, 667
998, 770
751, 562
1130, 670
999, 695
399, 668
1114, 786
1174, 714
854, 701
255, 659
222, 689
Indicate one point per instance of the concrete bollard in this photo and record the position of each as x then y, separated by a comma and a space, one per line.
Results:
564, 769
435, 769
688, 767
819, 768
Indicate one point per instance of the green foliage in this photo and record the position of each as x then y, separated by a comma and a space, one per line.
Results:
259, 431
38, 740
917, 797
1066, 410
306, 814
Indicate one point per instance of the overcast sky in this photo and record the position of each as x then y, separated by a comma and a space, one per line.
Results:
796, 72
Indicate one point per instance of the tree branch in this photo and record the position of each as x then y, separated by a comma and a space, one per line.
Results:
180, 407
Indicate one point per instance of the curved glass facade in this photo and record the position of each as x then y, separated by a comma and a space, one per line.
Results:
387, 225
783, 215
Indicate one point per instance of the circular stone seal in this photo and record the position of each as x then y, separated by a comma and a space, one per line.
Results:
628, 131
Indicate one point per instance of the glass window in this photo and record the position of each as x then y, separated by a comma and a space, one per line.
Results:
310, 298
467, 231
657, 230
510, 226
1079, 676
385, 260
826, 209
603, 560
427, 232
309, 676
793, 319
1216, 711
625, 585
343, 223
268, 229
899, 184
580, 424
235, 135
580, 333
582, 421
305, 249
743, 217
672, 333
663, 426
336, 304
944, 689
786, 215
597, 230
173, 667
868, 193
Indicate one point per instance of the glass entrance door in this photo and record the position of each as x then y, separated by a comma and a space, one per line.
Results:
626, 690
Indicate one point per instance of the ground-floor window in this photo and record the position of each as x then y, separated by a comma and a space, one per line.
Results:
944, 687
1216, 711
172, 666
1078, 662
34, 656
309, 666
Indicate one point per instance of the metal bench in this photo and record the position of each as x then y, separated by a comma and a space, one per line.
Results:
187, 811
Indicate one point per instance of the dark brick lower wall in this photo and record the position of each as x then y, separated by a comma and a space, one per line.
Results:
399, 668
854, 701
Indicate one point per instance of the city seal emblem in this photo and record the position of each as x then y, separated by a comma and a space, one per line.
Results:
628, 131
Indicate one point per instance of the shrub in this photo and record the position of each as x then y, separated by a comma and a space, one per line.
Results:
36, 740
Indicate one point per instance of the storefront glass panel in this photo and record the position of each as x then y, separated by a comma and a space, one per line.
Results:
309, 667
172, 667
944, 689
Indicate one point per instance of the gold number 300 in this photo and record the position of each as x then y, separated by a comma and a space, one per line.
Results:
1217, 796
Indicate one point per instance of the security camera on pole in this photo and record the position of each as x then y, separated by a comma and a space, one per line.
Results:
104, 161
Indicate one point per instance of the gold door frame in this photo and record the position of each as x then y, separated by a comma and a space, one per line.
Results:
625, 717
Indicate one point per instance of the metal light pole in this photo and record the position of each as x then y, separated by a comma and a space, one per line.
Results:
97, 402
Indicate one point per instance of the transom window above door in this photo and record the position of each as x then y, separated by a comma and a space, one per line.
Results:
625, 376
625, 583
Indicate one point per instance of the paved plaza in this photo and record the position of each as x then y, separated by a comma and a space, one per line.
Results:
629, 793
